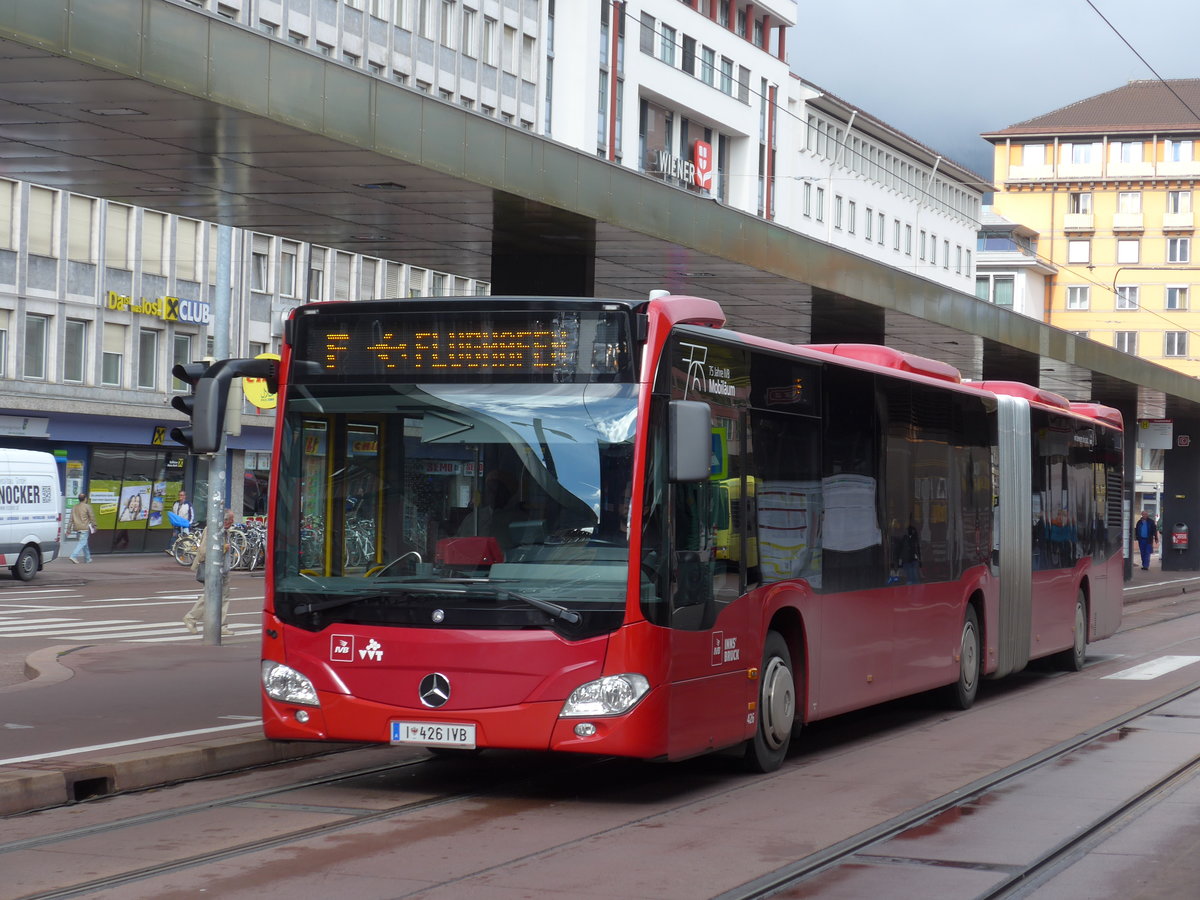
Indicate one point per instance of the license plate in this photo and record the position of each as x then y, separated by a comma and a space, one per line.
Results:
434, 734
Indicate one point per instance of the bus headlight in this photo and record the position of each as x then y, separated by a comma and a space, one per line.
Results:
611, 695
285, 684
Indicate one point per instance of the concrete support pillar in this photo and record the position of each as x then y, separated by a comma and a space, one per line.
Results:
538, 250
1181, 497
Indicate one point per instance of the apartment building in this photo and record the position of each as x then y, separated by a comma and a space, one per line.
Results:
1009, 272
1108, 184
99, 300
856, 182
694, 93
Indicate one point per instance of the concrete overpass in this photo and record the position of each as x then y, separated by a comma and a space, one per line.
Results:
158, 104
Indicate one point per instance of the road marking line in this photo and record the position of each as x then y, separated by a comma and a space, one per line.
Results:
30, 630
1155, 668
130, 743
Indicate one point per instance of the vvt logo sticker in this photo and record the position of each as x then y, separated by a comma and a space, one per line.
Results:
373, 651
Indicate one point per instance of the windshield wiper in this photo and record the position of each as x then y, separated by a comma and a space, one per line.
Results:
551, 609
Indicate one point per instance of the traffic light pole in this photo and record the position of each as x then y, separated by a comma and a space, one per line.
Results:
214, 561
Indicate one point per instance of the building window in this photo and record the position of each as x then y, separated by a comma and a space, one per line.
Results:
81, 244
260, 263
1129, 201
945, 254
1179, 250
1179, 151
368, 274
1175, 343
881, 221
1127, 297
8, 195
288, 254
1177, 298
40, 227
468, 33
187, 245
37, 330
851, 216
1078, 296
488, 48
1179, 201
1127, 151
1079, 251
807, 199
154, 227
668, 45
181, 353
689, 55
1033, 155
837, 211
147, 364
726, 75
1080, 154
869, 223
446, 35
1127, 250
1125, 341
112, 359
1080, 203
921, 245
75, 351
646, 35
908, 240
997, 289
708, 65
820, 212
895, 234
316, 273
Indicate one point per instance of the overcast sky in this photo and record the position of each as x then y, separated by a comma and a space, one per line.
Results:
944, 71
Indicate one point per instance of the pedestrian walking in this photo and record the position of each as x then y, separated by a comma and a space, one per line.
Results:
83, 523
1147, 537
195, 615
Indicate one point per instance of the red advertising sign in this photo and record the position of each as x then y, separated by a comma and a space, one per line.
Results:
702, 159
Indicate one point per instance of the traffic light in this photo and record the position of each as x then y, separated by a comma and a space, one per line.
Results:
203, 435
205, 406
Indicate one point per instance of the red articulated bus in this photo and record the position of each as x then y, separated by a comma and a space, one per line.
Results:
494, 524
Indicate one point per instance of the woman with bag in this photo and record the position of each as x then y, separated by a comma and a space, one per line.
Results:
83, 523
196, 613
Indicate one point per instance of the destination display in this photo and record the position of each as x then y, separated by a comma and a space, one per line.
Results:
552, 345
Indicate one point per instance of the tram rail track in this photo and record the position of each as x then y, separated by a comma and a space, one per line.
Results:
1016, 882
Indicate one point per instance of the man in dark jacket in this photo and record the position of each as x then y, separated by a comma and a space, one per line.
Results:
1147, 537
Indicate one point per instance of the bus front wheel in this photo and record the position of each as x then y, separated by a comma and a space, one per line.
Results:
776, 707
961, 694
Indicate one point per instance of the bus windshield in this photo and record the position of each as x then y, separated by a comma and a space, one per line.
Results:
455, 505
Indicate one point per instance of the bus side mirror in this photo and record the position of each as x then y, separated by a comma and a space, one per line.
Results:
690, 426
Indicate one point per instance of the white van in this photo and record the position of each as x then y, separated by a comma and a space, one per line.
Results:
30, 511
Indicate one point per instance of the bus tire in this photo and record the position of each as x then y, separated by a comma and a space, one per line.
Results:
765, 752
27, 564
961, 694
1072, 659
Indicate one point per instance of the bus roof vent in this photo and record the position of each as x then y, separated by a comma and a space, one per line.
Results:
1100, 412
1030, 393
890, 358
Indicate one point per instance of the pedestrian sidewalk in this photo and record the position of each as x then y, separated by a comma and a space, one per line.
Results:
108, 718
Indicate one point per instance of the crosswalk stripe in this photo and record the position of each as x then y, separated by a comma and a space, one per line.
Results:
27, 630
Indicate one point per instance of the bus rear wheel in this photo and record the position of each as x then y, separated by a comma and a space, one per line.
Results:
961, 694
776, 718
1073, 658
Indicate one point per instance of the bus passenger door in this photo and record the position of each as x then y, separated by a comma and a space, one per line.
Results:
708, 687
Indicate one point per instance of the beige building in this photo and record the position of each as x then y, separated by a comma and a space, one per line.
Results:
1108, 184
